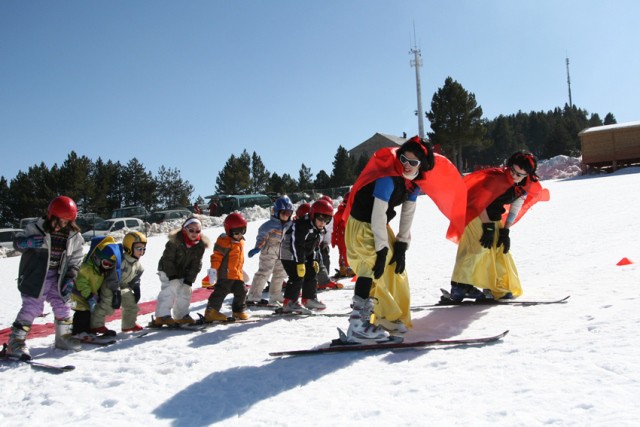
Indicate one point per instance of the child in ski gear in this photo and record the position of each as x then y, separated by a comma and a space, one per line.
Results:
300, 255
178, 267
51, 257
268, 245
101, 268
393, 177
337, 239
324, 281
484, 266
127, 292
228, 260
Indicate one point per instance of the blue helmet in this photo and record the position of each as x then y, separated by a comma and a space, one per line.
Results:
282, 204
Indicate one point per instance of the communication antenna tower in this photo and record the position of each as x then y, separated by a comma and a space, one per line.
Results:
569, 83
417, 62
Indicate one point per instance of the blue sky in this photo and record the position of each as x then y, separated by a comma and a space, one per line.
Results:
185, 84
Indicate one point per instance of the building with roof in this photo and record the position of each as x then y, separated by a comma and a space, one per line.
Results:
373, 144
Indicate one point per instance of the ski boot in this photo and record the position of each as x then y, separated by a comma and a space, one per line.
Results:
361, 330
17, 346
64, 340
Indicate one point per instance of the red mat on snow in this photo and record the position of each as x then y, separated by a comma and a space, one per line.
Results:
38, 331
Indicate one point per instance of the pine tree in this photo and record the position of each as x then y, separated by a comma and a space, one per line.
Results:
305, 178
259, 175
456, 120
342, 173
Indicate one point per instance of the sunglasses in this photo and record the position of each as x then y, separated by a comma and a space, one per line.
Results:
412, 162
515, 172
322, 217
238, 231
193, 230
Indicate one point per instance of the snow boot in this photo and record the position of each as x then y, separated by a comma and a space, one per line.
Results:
293, 307
17, 346
313, 304
241, 315
360, 327
158, 322
64, 339
103, 330
212, 315
186, 320
460, 291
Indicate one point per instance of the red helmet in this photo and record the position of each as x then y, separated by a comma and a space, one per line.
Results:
63, 207
302, 210
234, 221
327, 198
321, 207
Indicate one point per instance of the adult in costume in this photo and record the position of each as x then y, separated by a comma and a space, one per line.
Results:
496, 199
393, 177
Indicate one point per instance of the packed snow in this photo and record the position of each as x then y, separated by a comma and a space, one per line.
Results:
560, 364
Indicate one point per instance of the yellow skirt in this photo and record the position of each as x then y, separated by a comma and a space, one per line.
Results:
485, 268
391, 290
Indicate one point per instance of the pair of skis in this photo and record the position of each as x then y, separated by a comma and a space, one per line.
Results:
35, 364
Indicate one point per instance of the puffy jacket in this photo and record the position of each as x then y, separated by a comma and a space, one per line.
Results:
89, 280
270, 233
131, 272
228, 258
301, 241
180, 262
34, 263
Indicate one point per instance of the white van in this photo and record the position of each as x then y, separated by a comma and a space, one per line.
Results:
109, 226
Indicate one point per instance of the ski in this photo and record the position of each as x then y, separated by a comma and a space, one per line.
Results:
278, 313
55, 369
445, 300
339, 346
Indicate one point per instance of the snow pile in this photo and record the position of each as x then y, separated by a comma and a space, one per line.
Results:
560, 167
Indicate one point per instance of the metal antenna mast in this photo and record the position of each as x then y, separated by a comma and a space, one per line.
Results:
569, 83
417, 62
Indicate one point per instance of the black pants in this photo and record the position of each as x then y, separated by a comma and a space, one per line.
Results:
81, 322
224, 287
308, 284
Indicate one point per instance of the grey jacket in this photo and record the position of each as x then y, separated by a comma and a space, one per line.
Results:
34, 263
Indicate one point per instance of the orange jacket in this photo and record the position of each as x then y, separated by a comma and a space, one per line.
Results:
228, 258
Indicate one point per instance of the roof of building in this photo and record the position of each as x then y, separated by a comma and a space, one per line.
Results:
373, 144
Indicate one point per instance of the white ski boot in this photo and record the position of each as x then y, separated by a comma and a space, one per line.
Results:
361, 330
64, 339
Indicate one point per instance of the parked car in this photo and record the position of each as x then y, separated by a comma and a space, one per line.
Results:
111, 225
228, 204
130, 212
6, 237
159, 217
87, 221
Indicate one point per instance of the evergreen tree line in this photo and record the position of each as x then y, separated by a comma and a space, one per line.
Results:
458, 130
468, 140
96, 187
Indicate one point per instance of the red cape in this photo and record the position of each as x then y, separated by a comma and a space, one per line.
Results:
484, 186
443, 184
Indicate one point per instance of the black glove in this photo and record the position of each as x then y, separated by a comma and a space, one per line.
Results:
381, 258
504, 239
399, 251
136, 293
116, 300
488, 230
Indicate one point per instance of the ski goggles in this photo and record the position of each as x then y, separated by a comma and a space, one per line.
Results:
322, 217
